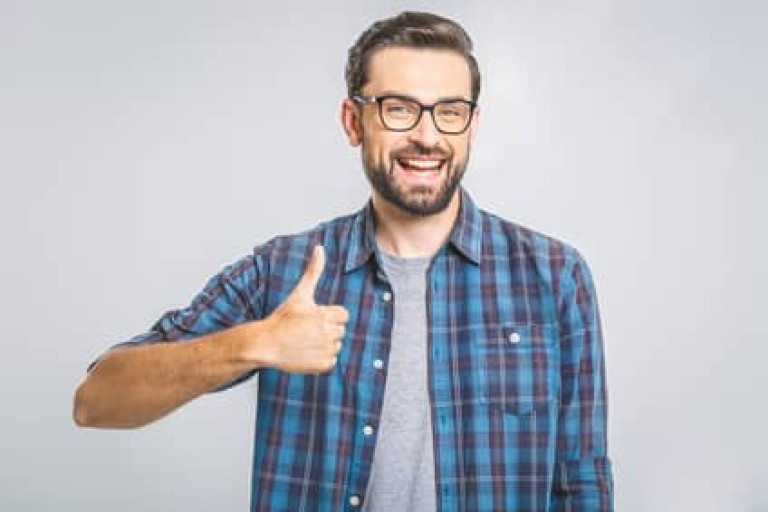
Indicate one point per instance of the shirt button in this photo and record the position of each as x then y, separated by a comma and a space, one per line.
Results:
514, 338
378, 364
386, 296
367, 430
354, 500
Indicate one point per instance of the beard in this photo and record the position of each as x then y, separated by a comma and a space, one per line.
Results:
417, 200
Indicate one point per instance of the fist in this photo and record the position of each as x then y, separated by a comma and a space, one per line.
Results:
305, 337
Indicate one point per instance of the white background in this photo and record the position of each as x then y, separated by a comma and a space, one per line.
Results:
145, 144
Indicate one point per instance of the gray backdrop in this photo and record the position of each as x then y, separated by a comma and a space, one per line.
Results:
146, 144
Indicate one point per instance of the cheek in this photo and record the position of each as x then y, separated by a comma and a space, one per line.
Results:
378, 146
460, 149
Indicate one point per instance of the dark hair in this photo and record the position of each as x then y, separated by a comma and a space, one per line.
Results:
409, 30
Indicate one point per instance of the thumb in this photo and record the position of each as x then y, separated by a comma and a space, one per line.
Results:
308, 282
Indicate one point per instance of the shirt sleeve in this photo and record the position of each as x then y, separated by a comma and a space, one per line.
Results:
583, 478
231, 297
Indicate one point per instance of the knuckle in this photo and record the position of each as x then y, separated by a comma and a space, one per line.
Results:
327, 365
337, 314
328, 315
343, 314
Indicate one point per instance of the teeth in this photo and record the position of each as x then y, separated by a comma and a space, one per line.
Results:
422, 164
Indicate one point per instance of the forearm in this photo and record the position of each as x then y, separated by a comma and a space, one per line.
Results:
136, 385
133, 386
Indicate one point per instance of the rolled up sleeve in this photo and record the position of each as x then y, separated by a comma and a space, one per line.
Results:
231, 297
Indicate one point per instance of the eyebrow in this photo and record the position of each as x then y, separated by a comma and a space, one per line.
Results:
408, 96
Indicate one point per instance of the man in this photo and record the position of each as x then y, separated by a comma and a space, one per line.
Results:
420, 354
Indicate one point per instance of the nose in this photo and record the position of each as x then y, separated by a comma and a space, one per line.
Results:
425, 132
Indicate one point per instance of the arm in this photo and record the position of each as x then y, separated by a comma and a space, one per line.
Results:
134, 385
583, 478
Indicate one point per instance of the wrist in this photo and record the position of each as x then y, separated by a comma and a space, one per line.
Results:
251, 347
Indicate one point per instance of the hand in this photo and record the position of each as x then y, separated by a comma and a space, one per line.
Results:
302, 336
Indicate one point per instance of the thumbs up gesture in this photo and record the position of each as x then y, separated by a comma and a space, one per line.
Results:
305, 337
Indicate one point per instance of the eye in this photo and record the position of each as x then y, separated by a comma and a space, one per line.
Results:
395, 109
452, 111
399, 108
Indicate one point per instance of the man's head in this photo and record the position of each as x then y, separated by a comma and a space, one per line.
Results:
409, 30
413, 157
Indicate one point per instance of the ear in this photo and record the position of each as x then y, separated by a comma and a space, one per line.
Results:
352, 122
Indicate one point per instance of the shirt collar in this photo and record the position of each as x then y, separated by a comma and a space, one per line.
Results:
466, 234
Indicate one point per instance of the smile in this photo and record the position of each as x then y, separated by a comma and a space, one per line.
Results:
420, 164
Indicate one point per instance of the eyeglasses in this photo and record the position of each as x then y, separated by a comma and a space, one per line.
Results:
401, 113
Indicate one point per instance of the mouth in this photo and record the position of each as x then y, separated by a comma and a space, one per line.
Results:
421, 163
421, 167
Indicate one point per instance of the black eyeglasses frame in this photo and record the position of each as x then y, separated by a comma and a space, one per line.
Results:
378, 100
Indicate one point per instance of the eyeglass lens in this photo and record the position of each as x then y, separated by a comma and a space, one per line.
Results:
403, 114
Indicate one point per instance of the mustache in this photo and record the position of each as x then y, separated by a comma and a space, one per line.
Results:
420, 150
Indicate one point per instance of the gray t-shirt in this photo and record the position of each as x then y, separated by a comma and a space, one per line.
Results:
403, 471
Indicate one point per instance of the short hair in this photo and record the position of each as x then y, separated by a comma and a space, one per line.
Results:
420, 30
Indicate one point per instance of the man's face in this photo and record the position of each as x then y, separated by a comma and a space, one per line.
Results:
418, 171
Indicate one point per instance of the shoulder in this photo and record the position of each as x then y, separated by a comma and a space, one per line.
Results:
293, 250
505, 237
534, 256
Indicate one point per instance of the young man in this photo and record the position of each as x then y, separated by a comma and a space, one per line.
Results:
420, 354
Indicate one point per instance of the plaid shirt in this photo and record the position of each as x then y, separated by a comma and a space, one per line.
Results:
515, 369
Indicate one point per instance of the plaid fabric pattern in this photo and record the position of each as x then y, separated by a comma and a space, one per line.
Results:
516, 369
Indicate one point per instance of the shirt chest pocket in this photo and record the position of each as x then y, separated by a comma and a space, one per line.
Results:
520, 367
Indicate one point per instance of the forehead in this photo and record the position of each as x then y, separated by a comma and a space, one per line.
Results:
422, 73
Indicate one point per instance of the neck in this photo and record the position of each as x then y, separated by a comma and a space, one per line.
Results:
412, 236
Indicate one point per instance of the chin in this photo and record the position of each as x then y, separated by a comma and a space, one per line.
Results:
423, 206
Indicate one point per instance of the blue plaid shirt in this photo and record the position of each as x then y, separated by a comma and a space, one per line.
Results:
516, 370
